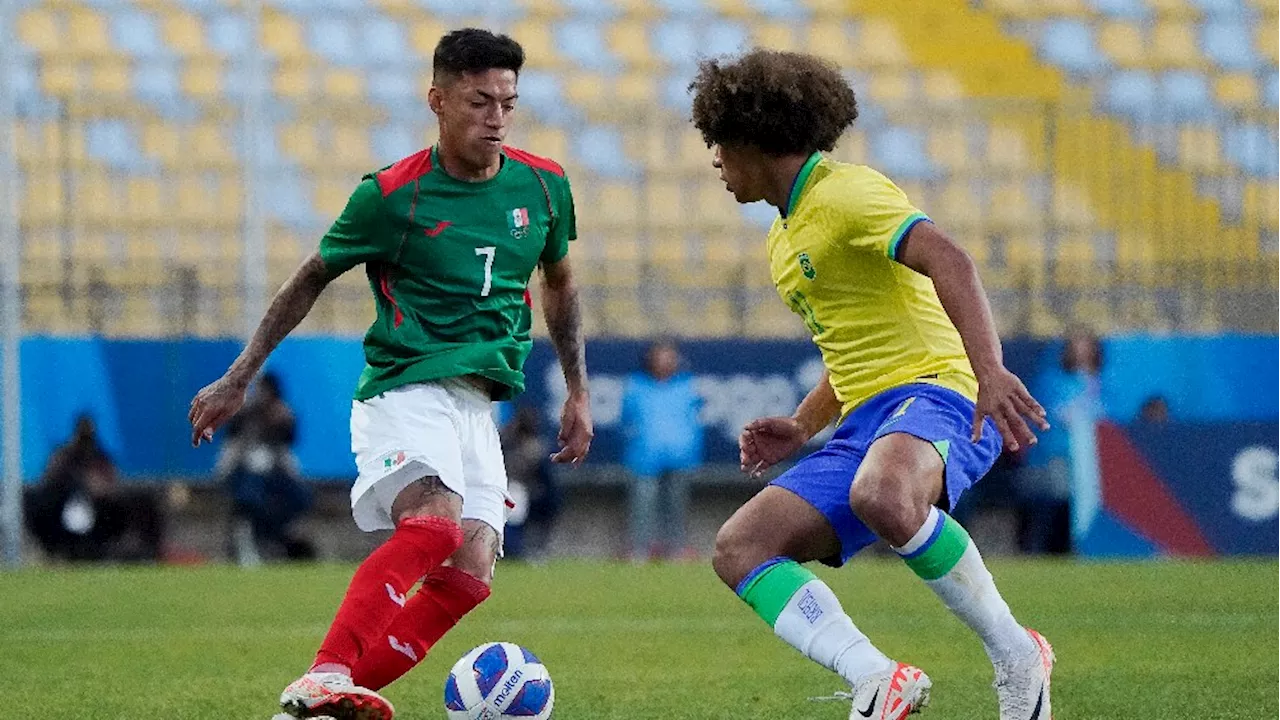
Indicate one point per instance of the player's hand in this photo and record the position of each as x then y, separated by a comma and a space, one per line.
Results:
1003, 398
575, 430
765, 442
216, 403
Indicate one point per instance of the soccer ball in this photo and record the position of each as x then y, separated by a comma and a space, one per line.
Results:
499, 680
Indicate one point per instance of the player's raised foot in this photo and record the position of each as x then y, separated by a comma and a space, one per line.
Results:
333, 696
891, 695
1023, 684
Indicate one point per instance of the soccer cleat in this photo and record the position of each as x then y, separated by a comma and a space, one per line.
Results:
891, 695
333, 696
1023, 685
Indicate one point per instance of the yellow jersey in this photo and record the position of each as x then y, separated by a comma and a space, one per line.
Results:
878, 323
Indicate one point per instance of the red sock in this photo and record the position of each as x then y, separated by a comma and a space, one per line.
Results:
378, 589
446, 595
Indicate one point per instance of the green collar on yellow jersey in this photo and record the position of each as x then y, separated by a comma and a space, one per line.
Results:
802, 178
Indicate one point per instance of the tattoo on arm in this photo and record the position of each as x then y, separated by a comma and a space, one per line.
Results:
564, 324
290, 305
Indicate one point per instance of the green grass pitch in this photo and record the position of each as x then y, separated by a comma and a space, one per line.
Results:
1163, 640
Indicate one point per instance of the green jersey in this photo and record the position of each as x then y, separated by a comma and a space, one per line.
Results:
449, 263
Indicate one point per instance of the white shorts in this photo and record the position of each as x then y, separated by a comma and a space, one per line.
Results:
443, 428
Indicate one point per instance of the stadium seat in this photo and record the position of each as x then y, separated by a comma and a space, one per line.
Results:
1173, 45
549, 141
1131, 93
544, 94
1122, 9
664, 205
1253, 148
942, 87
1124, 44
282, 36
41, 29
1237, 91
1069, 44
111, 142
1229, 45
1007, 148
948, 147
1185, 94
602, 150
582, 42
42, 199
877, 44
344, 84
136, 34
227, 33
775, 35
1267, 41
87, 33
628, 39
831, 40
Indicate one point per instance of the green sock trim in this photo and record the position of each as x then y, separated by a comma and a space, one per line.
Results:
770, 592
943, 554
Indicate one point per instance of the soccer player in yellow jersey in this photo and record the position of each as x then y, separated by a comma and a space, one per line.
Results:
914, 374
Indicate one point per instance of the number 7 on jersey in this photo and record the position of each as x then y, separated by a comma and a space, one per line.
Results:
488, 253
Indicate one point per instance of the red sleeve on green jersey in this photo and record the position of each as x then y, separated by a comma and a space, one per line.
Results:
362, 233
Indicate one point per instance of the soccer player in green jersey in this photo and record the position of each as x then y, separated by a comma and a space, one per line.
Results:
449, 238
914, 373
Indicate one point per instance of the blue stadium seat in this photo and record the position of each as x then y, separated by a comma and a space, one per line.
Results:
1222, 8
290, 198
900, 153
157, 83
112, 142
392, 142
1253, 147
780, 9
725, 38
542, 92
1122, 9
675, 94
1185, 94
136, 34
454, 9
1272, 91
760, 214
383, 42
201, 5
583, 42
393, 87
600, 149
330, 37
227, 33
675, 42
594, 9
683, 8
1229, 43
1131, 93
1070, 45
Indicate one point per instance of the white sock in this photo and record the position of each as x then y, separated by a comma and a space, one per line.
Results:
944, 556
814, 623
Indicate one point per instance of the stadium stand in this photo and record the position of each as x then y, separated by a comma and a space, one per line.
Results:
1075, 147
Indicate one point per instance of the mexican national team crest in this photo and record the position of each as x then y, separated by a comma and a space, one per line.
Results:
806, 266
518, 221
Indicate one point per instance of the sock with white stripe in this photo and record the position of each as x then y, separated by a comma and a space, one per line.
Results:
804, 612
942, 554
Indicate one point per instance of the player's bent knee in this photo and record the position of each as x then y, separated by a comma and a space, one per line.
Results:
888, 504
479, 550
736, 553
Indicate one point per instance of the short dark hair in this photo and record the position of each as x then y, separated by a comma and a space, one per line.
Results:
472, 50
782, 103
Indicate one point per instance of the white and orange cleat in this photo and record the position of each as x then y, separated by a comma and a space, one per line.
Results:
1023, 685
891, 695
333, 696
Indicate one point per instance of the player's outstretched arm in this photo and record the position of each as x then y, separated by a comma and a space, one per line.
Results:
765, 442
564, 324
1001, 395
218, 401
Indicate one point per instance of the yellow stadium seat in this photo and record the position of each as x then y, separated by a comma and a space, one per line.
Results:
1007, 148
42, 199
1237, 90
208, 144
110, 77
664, 205
1124, 43
829, 39
1071, 207
1260, 204
714, 209
1016, 9
1267, 40
1012, 209
948, 146
1199, 149
715, 317
1173, 44
667, 251
292, 80
282, 35
615, 203
731, 8
1179, 9
692, 154
943, 87
548, 141
539, 42
162, 141
203, 79
145, 200
351, 148
60, 78
1066, 8
587, 90
621, 250
344, 84
852, 147
40, 29
87, 33
829, 8
878, 44
957, 210
775, 35
891, 88
38, 144
636, 90
184, 33
331, 196
628, 38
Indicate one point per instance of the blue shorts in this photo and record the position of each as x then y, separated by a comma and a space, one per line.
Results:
932, 413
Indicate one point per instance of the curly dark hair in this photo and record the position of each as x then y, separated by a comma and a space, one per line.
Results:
782, 103
472, 50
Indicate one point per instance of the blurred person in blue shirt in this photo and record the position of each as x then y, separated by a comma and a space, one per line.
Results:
662, 442
1071, 393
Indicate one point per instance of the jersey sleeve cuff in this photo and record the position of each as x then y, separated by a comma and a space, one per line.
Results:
902, 231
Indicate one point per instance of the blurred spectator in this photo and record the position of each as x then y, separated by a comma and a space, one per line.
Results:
80, 512
532, 484
662, 443
1071, 394
261, 474
1154, 411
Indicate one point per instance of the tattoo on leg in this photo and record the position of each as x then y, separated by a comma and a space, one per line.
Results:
481, 534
